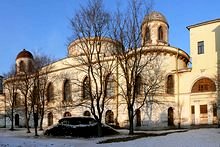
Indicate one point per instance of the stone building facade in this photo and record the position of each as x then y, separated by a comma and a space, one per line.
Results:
190, 93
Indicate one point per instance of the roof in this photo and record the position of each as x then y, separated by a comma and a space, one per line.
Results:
24, 54
155, 16
203, 23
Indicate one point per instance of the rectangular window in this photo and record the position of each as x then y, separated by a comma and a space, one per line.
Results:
203, 109
200, 47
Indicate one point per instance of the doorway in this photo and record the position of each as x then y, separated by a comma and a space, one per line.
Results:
16, 120
138, 117
170, 117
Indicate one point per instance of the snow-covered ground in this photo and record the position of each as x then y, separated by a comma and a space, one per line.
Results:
192, 138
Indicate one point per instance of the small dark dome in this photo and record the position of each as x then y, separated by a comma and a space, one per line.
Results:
24, 54
155, 16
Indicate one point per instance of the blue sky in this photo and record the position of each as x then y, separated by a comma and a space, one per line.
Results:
43, 25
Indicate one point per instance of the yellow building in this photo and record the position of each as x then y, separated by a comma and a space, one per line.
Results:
190, 93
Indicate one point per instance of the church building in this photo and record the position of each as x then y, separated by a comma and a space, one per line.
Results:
190, 90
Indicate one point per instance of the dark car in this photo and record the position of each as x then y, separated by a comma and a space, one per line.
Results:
78, 127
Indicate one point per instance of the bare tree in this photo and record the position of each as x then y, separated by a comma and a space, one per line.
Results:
90, 25
26, 84
42, 68
11, 86
134, 58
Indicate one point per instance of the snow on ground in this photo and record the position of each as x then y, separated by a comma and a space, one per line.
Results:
193, 138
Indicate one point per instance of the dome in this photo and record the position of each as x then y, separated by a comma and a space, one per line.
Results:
155, 16
24, 54
78, 47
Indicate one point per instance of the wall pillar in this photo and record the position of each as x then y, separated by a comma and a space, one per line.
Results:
210, 113
197, 113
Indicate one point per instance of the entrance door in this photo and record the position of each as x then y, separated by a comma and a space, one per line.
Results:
193, 114
16, 120
50, 119
203, 114
170, 117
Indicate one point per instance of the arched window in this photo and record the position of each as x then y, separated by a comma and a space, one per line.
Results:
86, 113
170, 84
35, 95
66, 114
138, 85
110, 86
67, 91
50, 92
160, 33
147, 34
109, 117
17, 100
21, 66
30, 66
204, 85
50, 119
86, 88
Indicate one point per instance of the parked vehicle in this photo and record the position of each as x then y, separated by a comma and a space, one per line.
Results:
78, 127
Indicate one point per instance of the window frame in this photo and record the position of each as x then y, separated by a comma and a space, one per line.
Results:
50, 92
203, 109
110, 86
200, 47
160, 33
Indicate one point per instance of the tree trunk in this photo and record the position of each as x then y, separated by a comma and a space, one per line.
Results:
12, 119
27, 121
100, 133
131, 122
35, 123
41, 120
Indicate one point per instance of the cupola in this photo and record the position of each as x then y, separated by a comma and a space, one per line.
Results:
154, 29
24, 62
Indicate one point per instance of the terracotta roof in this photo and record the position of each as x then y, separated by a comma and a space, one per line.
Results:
24, 54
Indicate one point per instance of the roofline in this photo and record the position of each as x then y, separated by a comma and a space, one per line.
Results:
203, 23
